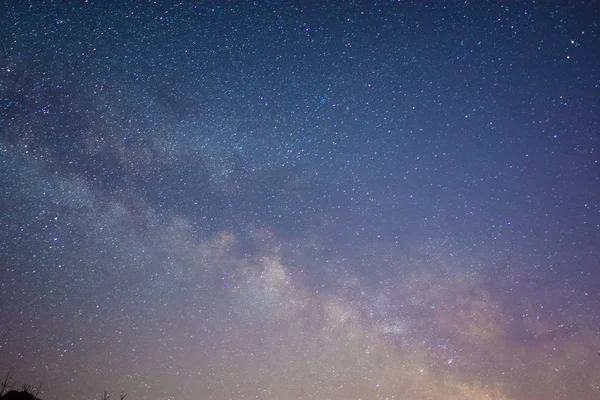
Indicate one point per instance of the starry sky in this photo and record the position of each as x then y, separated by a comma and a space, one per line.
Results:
286, 200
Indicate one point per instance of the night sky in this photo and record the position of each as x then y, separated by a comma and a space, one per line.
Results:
283, 200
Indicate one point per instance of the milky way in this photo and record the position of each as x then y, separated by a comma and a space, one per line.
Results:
301, 200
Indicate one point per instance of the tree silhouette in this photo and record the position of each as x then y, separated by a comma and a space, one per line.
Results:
107, 396
7, 383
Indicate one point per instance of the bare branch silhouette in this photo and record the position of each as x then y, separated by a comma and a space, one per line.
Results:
38, 390
7, 383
